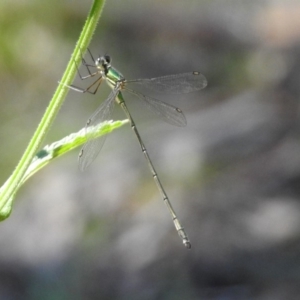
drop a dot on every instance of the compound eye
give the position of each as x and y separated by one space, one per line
98 61
107 58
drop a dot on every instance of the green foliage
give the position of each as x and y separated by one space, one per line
32 160
56 149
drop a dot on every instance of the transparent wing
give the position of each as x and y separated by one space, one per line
174 84
166 112
93 145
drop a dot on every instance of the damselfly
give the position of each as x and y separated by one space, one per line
176 84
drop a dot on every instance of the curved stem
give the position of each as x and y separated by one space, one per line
11 186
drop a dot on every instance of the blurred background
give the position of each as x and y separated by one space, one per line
232 174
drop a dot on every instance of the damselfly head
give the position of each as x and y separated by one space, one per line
103 62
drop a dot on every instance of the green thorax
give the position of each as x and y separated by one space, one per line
114 75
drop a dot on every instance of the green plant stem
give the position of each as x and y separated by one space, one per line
61 147
60 94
